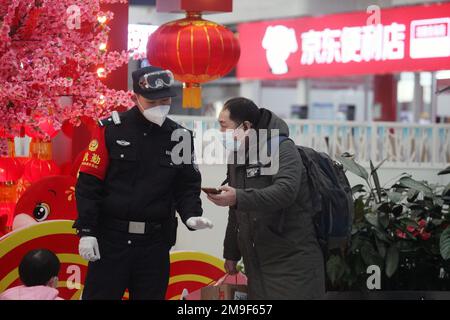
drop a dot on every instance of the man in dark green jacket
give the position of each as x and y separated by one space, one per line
270 217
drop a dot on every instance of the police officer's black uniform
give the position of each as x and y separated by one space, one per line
131 211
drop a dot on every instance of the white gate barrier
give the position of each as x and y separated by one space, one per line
402 145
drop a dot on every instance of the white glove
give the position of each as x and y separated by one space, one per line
198 223
88 248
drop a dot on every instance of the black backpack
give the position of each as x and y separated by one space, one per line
331 198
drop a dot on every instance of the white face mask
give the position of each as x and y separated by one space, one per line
228 140
229 143
156 114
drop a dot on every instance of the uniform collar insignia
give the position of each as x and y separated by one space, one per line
123 143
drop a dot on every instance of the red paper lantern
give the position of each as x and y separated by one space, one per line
196 51
10 169
22 160
36 169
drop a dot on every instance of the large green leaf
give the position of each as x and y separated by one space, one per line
445 171
381 247
392 258
372 218
444 243
353 167
408 222
381 234
396 178
394 197
356 243
383 219
412 195
335 268
416 185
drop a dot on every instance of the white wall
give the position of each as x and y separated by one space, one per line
211 240
337 97
443 105
279 100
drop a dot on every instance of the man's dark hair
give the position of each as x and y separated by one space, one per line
38 267
242 109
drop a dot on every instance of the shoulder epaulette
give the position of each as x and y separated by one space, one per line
113 119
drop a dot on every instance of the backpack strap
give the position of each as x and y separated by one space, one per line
274 139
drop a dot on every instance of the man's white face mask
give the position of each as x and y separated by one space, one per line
228 138
156 114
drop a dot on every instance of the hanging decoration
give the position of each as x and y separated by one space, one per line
194 49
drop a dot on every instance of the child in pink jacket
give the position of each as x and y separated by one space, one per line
38 271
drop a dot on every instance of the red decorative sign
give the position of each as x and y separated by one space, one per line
189 270
413 38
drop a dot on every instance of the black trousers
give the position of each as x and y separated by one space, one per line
139 263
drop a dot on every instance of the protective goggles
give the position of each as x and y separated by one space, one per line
156 80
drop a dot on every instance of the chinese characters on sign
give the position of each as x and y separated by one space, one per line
367 43
412 38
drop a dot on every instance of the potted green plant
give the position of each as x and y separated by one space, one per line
402 229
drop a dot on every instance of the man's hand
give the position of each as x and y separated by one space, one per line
198 223
225 199
231 267
88 248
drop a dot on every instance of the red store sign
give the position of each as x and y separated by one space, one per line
406 39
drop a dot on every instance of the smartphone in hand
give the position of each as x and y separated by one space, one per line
211 190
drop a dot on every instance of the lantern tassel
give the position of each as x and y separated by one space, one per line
192 96
41 149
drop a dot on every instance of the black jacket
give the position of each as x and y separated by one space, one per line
141 182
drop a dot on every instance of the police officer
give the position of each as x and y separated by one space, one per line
130 184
